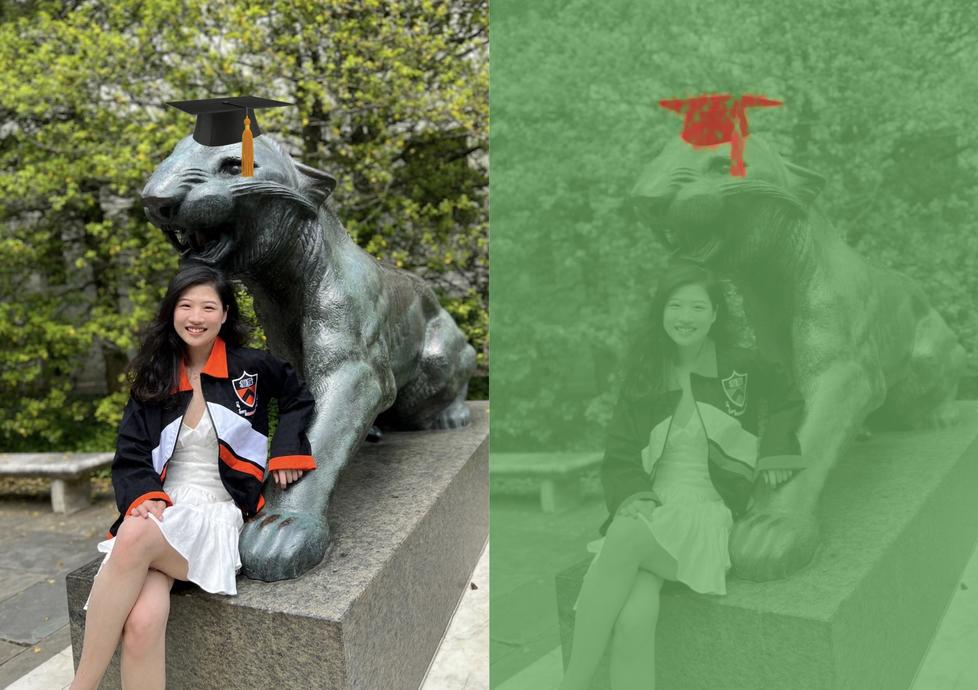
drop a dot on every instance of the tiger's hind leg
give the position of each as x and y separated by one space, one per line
435 398
924 397
456 415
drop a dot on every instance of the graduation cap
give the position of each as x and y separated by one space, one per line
712 119
223 121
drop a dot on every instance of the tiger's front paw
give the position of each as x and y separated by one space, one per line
282 545
772 545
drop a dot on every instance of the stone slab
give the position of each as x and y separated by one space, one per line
33 656
23 515
8 650
14 581
551 464
66 465
35 613
409 518
899 521
46 552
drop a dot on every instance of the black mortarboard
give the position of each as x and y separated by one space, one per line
223 121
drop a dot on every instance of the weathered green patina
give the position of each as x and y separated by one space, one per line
862 342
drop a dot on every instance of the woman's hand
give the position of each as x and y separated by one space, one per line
147 508
774 478
285 477
640 506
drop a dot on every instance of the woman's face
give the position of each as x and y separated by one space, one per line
688 315
198 316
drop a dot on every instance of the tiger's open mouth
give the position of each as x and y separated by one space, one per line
694 243
210 245
693 228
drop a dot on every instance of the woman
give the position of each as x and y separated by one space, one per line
189 466
679 465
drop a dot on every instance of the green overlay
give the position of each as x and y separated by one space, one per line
849 259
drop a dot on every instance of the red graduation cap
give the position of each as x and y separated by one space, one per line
713 119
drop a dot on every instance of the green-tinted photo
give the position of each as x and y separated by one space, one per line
734 326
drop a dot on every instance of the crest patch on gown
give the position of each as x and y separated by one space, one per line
246 388
735 388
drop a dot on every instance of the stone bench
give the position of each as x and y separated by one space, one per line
559 474
69 474
899 522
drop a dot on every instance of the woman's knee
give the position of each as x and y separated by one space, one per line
146 624
136 540
636 621
639 615
625 535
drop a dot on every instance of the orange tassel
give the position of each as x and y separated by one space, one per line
247 150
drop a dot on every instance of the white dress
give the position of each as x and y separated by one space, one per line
693 523
203 524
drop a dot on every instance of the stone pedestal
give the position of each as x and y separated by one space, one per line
409 518
899 520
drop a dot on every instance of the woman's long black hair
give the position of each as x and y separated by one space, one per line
651 347
156 366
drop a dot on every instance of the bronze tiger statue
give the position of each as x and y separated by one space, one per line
371 342
862 343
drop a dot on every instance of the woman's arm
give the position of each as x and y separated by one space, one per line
778 451
134 479
622 475
291 453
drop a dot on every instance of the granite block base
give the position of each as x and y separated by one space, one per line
409 516
899 521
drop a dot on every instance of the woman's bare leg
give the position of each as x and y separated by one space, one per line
139 546
144 635
633 639
628 547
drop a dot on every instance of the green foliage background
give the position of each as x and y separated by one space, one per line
877 99
391 99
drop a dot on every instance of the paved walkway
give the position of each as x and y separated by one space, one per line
40 548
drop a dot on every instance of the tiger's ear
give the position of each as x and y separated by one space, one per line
806 184
317 184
